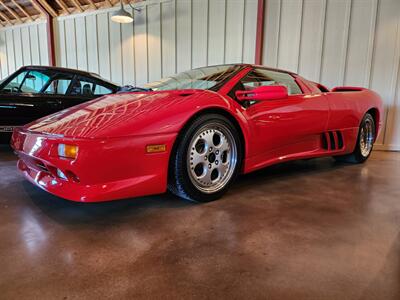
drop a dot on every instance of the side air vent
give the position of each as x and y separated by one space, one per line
332 140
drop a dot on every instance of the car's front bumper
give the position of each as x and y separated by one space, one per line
105 169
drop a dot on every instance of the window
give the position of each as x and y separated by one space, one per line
59 85
87 87
262 77
27 82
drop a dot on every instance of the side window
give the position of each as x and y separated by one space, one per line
13 85
59 85
262 77
27 82
87 87
102 90
34 82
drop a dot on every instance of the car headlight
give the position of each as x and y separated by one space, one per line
67 151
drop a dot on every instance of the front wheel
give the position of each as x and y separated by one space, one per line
365 142
207 159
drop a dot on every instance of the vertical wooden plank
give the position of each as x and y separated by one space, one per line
115 52
91 42
26 45
154 41
216 32
289 34
3 54
234 31
19 61
199 33
63 53
128 55
393 131
385 66
271 33
183 35
103 45
81 43
9 54
141 64
312 38
168 38
362 25
43 48
70 46
250 29
335 42
34 38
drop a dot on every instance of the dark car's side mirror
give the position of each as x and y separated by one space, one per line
269 92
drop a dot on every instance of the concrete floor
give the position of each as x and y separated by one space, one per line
303 230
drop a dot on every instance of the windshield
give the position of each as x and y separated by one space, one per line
201 78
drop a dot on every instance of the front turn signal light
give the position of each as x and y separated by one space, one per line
67 151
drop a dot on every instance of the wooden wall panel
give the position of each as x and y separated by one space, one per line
312 37
234 31
216 32
342 42
167 36
335 42
289 37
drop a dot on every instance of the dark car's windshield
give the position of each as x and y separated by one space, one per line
201 78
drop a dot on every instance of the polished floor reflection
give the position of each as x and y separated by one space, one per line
303 230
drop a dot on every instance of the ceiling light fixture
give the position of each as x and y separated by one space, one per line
123 16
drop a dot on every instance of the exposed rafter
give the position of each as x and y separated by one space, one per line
22 10
19 11
10 11
48 8
64 7
77 5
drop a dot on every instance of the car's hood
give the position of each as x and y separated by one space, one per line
112 115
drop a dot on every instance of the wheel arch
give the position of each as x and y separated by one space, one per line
209 110
375 114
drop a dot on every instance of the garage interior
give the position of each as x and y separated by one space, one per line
309 229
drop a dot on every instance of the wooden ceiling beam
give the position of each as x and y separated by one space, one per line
22 9
17 18
48 8
37 7
63 6
5 18
92 4
109 2
77 5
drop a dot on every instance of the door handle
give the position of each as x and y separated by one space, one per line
54 102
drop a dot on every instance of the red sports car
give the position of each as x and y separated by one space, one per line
193 133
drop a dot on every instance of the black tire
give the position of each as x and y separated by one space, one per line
357 155
180 181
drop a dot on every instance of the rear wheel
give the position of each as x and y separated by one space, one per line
207 159
365 142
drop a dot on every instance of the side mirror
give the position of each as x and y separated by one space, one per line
268 92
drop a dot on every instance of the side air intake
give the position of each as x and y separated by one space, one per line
332 140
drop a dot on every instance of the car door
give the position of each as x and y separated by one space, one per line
22 100
287 126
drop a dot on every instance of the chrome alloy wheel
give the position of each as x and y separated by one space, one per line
367 136
212 157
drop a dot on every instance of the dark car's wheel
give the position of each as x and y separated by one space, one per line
365 142
206 160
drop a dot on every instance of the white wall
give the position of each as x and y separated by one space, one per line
23 45
166 37
340 42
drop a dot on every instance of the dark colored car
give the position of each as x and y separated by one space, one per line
33 92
